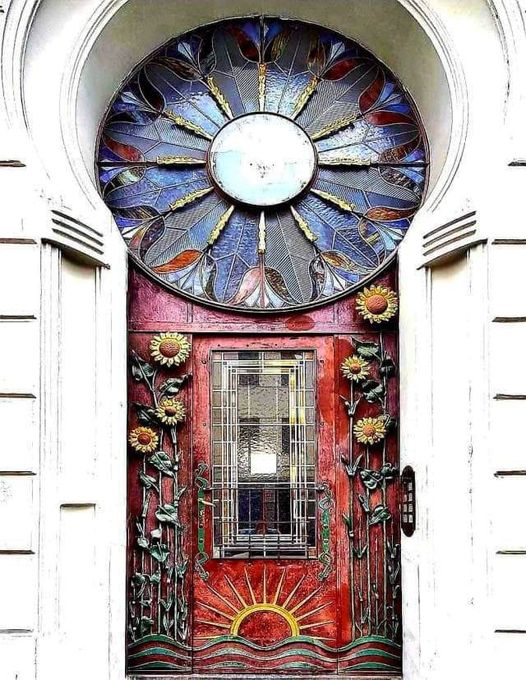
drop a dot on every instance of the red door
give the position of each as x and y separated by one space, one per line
279 509
266 585
263 518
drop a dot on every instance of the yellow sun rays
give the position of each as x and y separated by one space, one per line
262 85
295 613
219 97
186 124
333 127
305 96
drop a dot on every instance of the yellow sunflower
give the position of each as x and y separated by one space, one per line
170 411
355 368
377 303
370 430
143 439
170 349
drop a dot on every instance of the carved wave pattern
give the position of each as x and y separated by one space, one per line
226 654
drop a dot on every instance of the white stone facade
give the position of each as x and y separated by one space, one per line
63 328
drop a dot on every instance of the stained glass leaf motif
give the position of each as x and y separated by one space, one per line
369 178
316 60
250 283
248 41
122 177
371 94
123 151
181 261
277 35
150 94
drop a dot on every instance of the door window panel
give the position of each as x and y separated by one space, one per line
264 454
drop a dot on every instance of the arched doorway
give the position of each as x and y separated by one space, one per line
263 166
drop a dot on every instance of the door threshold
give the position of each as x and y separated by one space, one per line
260 676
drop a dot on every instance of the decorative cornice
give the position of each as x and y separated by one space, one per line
73 234
451 239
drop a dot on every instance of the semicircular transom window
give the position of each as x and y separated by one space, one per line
262 164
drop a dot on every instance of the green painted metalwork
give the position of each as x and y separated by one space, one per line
203 486
325 505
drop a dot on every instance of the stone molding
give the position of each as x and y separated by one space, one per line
451 239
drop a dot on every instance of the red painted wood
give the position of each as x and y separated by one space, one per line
362 593
146 599
257 580
152 308
373 592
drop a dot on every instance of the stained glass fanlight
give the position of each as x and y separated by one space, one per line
262 164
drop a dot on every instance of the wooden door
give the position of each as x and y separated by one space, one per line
232 567
266 588
282 501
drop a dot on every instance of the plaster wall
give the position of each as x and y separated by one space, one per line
63 328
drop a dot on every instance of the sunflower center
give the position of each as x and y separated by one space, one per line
144 438
169 348
376 304
170 411
355 367
262 159
369 430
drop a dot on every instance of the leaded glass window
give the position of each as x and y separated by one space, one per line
264 454
262 164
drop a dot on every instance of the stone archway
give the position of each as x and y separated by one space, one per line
78 111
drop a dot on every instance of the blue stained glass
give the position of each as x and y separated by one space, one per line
235 255
222 240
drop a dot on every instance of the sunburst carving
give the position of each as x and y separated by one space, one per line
303 615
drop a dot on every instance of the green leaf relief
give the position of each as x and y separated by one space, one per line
351 469
372 391
380 514
145 414
364 503
360 552
142 368
172 386
350 407
167 513
143 542
370 478
390 422
145 625
367 350
147 481
347 520
162 462
136 373
159 552
387 367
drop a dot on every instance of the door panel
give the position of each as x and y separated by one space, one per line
368 554
159 514
263 531
265 594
